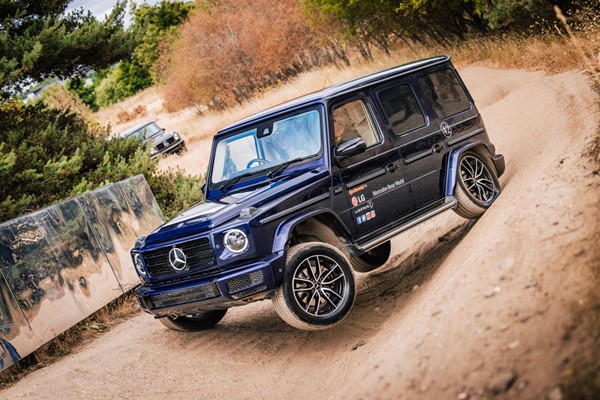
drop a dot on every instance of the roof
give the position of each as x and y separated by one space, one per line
339 89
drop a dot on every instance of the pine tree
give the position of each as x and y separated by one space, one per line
38 41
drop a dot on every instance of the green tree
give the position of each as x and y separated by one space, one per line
86 93
517 15
153 25
38 41
379 22
48 155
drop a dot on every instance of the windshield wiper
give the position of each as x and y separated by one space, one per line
281 167
235 180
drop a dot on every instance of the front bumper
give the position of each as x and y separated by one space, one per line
172 148
225 290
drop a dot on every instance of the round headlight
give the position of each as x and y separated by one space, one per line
139 264
235 241
175 135
153 150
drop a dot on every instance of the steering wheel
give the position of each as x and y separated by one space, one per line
258 161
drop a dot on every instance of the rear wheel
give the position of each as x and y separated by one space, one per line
372 259
477 185
196 322
318 290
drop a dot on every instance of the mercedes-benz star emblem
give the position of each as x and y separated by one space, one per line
177 259
446 129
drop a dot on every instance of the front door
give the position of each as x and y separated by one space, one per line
369 189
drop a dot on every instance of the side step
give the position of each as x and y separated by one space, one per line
449 202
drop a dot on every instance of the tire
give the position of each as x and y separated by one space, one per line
477 185
198 322
318 290
372 259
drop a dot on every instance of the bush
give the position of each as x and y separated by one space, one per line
226 51
48 155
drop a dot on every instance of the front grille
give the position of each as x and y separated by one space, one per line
244 281
183 296
198 254
165 143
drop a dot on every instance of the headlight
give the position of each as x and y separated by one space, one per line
153 151
175 135
139 264
235 241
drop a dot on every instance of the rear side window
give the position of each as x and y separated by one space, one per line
444 91
401 108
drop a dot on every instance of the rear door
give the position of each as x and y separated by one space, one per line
451 105
420 141
368 188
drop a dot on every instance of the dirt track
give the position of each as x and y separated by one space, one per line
494 309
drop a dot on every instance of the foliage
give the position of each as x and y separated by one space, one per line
227 50
59 97
380 22
121 82
153 25
86 93
175 191
47 155
37 41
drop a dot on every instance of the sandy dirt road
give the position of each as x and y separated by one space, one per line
497 308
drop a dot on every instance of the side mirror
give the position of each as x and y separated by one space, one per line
350 147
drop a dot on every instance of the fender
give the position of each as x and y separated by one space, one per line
452 166
284 230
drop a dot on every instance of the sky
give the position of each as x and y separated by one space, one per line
101 8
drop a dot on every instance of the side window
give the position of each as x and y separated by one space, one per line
401 108
445 92
352 120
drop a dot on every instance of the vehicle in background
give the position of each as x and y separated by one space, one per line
162 142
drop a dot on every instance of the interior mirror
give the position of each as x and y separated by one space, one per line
350 147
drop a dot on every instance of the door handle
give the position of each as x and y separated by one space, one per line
392 167
437 148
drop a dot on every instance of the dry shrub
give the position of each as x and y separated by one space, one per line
138 112
225 54
60 98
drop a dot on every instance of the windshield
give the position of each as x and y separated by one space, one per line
146 132
267 146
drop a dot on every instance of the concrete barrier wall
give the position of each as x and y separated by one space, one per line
63 263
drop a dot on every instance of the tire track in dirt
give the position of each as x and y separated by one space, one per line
462 308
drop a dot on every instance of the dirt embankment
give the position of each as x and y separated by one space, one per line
498 308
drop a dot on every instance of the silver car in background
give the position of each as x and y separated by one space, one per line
162 142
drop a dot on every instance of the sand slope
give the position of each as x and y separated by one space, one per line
485 309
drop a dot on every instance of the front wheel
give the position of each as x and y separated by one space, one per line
196 322
318 289
477 185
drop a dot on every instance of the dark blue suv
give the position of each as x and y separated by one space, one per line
300 196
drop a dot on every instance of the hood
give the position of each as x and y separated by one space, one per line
160 137
210 214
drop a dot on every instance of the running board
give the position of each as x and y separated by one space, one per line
449 202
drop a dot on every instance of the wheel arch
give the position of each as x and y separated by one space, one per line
452 163
292 228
